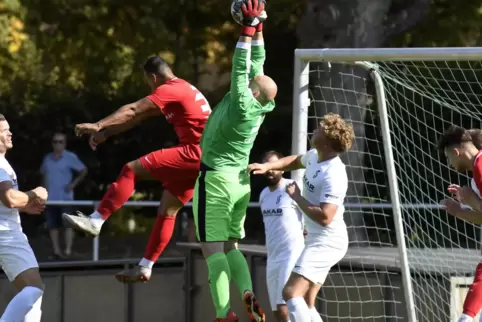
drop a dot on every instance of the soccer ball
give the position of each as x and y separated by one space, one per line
237 13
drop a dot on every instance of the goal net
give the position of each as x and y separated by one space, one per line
421 98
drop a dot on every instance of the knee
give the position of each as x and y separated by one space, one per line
29 278
128 167
135 169
288 292
167 212
132 165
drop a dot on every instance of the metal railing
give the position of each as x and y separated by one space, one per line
95 203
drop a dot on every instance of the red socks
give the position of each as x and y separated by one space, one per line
473 300
118 193
160 236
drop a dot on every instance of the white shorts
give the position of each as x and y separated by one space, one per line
16 255
319 256
277 274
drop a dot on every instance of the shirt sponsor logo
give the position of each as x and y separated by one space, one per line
307 184
277 212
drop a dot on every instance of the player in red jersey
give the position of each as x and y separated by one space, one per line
461 147
177 168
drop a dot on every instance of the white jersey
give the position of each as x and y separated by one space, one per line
9 218
283 223
325 182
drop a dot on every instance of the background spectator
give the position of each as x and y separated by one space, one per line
58 169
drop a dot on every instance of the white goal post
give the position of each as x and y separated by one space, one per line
408 257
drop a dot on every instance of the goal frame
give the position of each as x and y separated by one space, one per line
362 57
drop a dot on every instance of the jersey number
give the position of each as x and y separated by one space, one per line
201 99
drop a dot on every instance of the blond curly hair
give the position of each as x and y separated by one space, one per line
339 133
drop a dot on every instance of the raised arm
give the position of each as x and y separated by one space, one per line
141 109
240 92
239 71
122 119
258 53
120 128
289 163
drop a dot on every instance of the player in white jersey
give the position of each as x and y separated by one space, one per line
325 184
283 225
16 256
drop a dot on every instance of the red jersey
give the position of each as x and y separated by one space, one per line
185 107
476 182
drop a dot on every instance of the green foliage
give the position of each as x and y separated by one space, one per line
63 62
449 24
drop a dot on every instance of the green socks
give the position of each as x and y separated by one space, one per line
240 271
219 277
221 267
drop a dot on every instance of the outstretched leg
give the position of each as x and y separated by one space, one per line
160 236
118 193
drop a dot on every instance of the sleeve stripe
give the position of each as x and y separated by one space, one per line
257 43
243 45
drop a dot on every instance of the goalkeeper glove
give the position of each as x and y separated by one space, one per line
262 18
253 15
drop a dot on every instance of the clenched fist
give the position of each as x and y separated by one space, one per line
293 190
41 194
86 128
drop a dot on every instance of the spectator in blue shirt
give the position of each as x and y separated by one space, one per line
58 169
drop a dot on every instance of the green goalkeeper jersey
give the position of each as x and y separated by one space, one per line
233 125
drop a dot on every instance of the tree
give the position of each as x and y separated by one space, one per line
341 88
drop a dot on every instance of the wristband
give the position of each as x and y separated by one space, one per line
259 27
248 31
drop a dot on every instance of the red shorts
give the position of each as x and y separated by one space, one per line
177 168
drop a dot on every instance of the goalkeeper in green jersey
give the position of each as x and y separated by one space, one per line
222 190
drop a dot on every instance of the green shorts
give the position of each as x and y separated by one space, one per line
219 204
